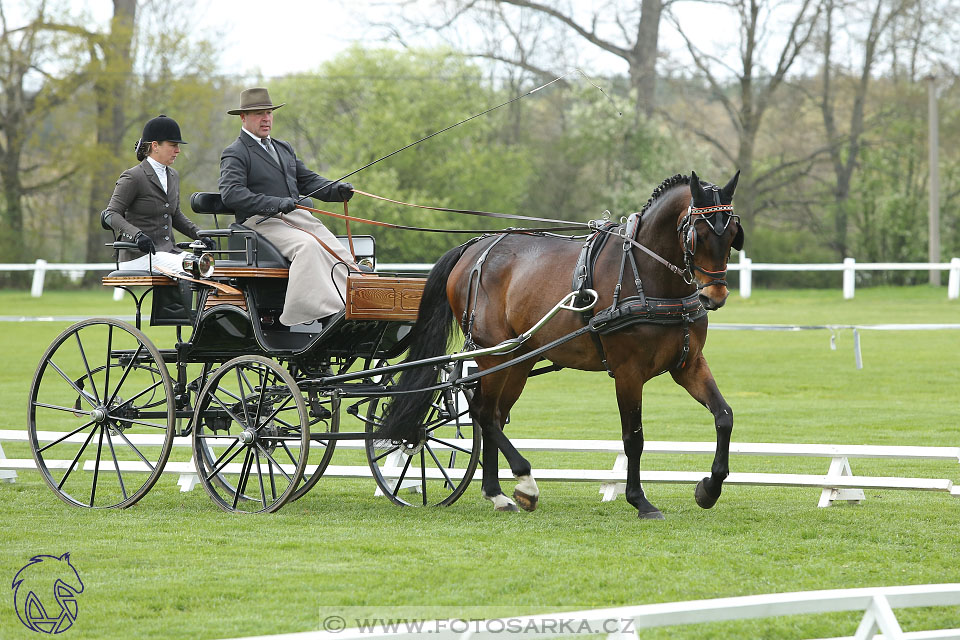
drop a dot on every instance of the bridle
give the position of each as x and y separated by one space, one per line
717 216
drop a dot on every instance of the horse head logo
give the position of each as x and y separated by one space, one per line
45 593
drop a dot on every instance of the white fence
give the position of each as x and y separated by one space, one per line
838 484
746 267
622 623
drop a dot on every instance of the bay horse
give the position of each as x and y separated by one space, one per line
654 322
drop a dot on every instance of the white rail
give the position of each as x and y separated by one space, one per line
876 603
746 267
838 484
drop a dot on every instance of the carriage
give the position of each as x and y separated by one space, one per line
265 405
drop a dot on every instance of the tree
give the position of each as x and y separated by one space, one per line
844 147
28 94
338 124
751 90
517 30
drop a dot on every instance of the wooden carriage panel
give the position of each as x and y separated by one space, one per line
371 297
215 298
137 281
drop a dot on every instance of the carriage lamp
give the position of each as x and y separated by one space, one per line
198 266
366 262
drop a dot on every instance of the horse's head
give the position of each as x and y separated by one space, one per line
708 229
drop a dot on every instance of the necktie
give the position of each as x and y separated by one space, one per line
270 150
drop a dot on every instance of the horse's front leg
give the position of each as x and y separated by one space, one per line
699 383
630 401
490 407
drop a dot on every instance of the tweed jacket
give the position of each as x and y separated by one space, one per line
139 204
252 183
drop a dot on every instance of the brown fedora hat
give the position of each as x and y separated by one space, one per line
254 100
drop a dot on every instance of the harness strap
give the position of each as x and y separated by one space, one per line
473 286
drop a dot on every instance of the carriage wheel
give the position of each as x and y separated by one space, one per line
434 471
251 435
102 414
323 420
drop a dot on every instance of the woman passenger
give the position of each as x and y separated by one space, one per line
146 201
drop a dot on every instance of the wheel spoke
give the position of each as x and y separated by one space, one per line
123 376
446 443
116 464
106 370
263 391
140 422
385 453
96 468
230 413
423 476
57 407
126 402
275 412
135 450
218 467
440 466
275 463
59 440
242 482
263 492
403 474
73 384
75 458
243 403
86 365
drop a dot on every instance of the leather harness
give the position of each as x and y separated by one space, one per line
638 309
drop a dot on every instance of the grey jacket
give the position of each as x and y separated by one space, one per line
139 204
252 183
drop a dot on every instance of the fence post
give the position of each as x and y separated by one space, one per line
849 277
39 273
746 275
953 281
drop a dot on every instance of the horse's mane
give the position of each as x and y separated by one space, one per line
665 186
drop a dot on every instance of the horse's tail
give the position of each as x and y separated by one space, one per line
429 337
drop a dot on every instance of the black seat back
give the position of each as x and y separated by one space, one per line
208 202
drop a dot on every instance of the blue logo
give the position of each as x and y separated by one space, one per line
45 594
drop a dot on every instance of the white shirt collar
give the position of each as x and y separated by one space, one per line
258 139
160 170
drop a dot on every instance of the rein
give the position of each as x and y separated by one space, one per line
569 226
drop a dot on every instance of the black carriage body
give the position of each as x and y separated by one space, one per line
263 409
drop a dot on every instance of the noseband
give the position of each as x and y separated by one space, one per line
718 217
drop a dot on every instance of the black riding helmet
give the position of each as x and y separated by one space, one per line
160 129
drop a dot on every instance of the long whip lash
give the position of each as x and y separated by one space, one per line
483 113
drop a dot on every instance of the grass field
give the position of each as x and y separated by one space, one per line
175 566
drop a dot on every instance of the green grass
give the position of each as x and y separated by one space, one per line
174 566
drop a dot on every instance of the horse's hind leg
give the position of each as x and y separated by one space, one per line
630 401
497 394
699 383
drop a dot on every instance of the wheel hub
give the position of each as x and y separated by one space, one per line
248 436
99 415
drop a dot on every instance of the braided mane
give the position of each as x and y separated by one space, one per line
665 186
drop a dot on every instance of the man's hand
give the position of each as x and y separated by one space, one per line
345 189
145 243
287 205
209 243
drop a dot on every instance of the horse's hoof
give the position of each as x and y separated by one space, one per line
526 502
650 515
507 507
704 500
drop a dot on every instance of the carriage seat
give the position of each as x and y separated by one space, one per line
252 248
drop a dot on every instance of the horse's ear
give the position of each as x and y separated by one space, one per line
695 189
727 191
